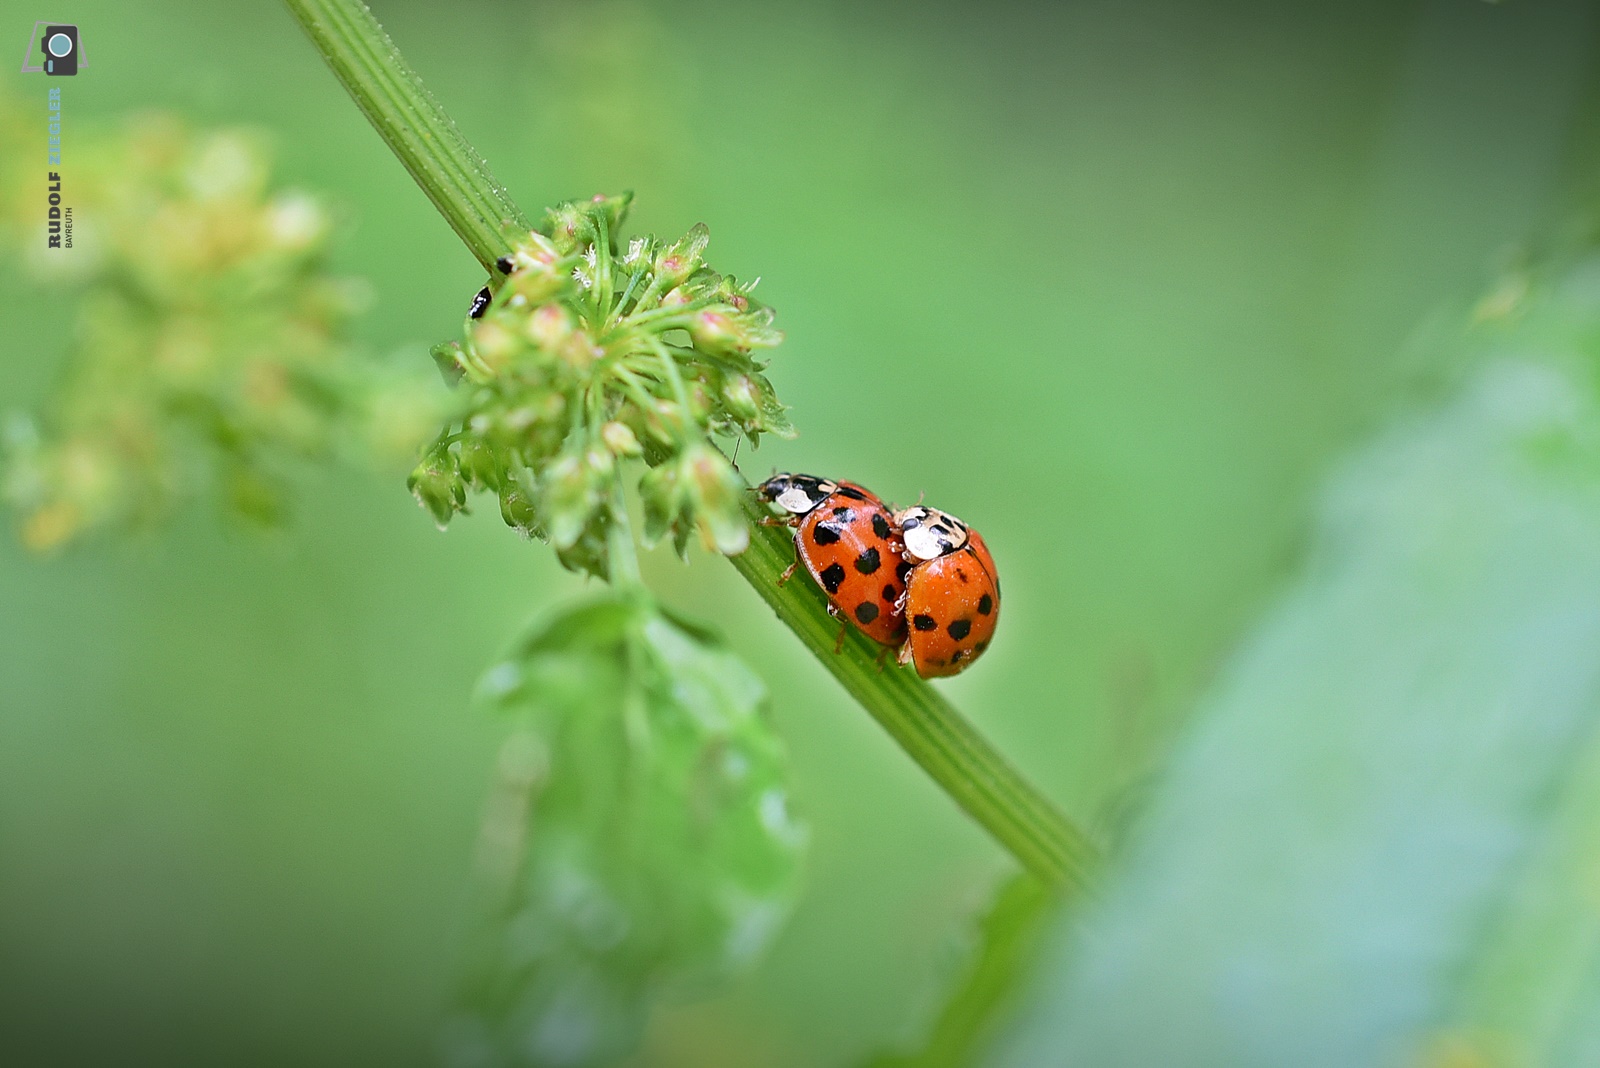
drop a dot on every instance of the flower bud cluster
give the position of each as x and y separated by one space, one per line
595 351
210 341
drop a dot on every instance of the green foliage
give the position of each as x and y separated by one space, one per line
639 838
1377 845
590 355
210 343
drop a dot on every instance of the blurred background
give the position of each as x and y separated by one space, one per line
1114 282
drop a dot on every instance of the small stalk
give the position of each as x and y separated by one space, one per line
394 100
620 552
975 775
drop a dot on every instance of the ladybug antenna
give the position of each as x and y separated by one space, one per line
735 461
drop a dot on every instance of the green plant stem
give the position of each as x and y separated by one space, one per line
624 561
930 729
383 85
927 726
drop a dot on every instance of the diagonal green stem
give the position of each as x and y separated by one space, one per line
927 726
406 115
935 734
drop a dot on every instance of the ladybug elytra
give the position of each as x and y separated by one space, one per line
845 537
952 592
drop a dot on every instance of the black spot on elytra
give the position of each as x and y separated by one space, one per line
843 513
866 612
955 657
985 605
924 622
868 562
890 593
959 629
832 578
960 574
980 647
852 493
880 525
823 534
902 569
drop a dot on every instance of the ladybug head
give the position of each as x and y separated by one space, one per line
929 533
797 493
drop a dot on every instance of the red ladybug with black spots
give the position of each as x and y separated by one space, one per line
846 538
952 592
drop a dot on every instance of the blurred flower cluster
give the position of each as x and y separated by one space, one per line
592 353
207 340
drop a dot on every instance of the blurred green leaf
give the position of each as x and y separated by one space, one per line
1378 844
1006 947
638 840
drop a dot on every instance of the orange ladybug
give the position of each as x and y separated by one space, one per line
952 592
846 538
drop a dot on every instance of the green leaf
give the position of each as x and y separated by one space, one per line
1380 842
638 842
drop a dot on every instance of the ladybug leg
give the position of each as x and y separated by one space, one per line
904 656
775 521
788 573
883 655
844 625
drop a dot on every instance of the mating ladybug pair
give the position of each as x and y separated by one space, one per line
920 579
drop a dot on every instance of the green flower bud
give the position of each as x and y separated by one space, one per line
676 263
516 508
742 397
451 360
494 344
438 488
667 423
549 327
569 497
572 225
580 353
590 554
600 462
717 495
537 286
534 254
619 439
697 489
719 332
662 495
480 465
699 401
